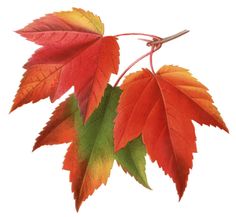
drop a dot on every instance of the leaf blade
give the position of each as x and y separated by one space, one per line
95 149
74 53
132 160
91 153
165 120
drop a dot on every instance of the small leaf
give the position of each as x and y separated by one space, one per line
132 160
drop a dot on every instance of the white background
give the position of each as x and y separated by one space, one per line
33 184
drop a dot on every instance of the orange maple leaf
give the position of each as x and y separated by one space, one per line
161 107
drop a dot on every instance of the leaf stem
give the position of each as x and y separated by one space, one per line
135 33
155 44
169 38
134 63
151 60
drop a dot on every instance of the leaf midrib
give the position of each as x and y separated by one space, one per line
167 121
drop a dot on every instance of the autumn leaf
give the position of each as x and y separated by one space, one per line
132 159
73 53
161 108
91 153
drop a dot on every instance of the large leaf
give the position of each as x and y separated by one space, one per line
94 144
160 107
74 53
91 153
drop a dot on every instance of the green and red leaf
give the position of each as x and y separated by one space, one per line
91 153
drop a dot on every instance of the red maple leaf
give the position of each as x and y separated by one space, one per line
74 53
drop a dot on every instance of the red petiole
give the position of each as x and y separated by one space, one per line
155 43
136 34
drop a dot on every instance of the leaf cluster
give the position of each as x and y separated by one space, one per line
150 112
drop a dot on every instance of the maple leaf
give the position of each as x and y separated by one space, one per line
160 107
132 160
74 53
90 155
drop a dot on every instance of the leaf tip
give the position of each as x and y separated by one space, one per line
77 207
36 146
180 196
85 119
78 203
39 142
223 126
226 129
18 31
13 108
117 147
148 186
180 191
